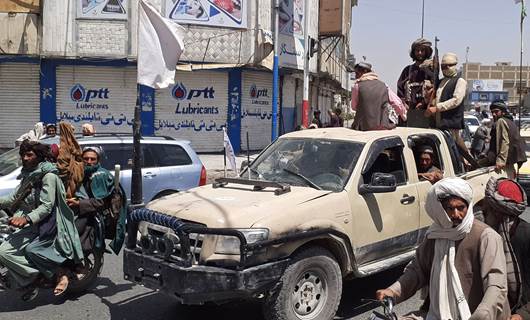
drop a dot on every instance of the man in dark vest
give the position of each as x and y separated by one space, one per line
448 106
414 80
506 145
376 106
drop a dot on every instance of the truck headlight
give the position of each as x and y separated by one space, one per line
230 244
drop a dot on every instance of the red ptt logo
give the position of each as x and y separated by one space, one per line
255 93
180 92
79 94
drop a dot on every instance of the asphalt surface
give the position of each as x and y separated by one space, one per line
114 298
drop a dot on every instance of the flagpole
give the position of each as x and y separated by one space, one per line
305 98
521 64
275 89
136 174
224 153
248 157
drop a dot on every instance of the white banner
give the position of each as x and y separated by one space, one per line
229 151
488 85
103 9
291 51
159 47
222 13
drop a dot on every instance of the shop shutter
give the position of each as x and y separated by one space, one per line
256 110
19 100
102 96
194 109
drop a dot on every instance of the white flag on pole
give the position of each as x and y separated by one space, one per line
159 47
518 1
229 151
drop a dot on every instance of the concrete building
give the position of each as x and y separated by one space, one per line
493 82
75 60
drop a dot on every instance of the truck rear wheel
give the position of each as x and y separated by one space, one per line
310 288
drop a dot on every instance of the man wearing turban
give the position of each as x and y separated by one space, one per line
414 80
448 107
461 261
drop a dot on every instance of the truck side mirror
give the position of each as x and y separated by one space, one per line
244 164
381 183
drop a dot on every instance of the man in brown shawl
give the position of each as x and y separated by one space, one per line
70 160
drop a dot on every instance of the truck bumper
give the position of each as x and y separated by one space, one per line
199 284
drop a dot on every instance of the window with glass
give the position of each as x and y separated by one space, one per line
167 155
318 163
390 161
122 154
9 161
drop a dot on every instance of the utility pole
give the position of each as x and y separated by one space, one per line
305 98
523 14
422 16
275 87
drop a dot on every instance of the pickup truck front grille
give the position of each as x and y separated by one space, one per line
175 239
168 246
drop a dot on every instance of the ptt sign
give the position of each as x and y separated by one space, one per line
79 94
180 92
256 93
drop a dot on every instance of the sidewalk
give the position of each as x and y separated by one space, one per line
214 164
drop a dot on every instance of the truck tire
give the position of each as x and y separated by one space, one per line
310 288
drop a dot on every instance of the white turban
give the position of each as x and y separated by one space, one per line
445 290
449 58
443 226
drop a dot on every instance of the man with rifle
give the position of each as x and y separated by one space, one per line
414 80
448 105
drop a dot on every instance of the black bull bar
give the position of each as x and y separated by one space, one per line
183 229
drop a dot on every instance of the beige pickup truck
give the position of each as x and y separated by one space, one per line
314 208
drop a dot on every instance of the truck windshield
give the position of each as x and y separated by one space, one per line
9 161
320 164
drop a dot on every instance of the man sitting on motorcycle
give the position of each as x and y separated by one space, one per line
46 237
98 195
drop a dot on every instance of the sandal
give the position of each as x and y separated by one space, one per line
80 272
30 294
62 285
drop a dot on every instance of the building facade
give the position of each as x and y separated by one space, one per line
487 83
75 61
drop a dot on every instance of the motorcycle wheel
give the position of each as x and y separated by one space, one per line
94 259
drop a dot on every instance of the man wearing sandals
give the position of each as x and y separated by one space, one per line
97 194
46 238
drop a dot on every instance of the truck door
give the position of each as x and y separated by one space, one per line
416 143
386 224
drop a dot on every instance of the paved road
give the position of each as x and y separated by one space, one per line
117 299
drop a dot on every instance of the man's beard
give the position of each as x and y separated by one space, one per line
456 222
420 59
28 165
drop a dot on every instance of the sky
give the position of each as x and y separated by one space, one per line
383 30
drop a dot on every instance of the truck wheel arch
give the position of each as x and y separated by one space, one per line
338 249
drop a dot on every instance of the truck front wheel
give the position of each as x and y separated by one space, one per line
310 288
